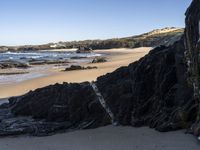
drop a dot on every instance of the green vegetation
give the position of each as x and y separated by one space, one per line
166 36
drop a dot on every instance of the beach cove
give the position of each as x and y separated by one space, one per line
116 58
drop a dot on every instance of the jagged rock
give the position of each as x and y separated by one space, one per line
192 40
150 91
56 107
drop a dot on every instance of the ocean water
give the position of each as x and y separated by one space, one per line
42 55
41 70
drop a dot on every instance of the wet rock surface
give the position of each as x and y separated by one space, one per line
153 91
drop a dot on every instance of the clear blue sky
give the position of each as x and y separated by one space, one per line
43 21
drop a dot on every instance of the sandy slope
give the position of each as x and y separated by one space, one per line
116 58
105 138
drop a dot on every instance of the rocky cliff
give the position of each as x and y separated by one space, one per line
192 41
153 91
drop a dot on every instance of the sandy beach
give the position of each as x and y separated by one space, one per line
116 58
105 138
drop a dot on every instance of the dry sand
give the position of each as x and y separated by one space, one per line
105 138
116 58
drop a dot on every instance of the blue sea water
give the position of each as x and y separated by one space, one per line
39 71
42 55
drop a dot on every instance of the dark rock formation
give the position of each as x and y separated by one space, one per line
84 49
153 91
192 40
13 64
54 108
77 67
99 60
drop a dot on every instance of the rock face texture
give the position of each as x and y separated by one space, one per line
153 91
50 109
192 40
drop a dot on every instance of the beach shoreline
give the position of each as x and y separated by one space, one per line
116 58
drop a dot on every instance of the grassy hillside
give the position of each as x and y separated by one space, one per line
166 36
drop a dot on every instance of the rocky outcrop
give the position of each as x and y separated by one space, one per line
77 67
153 91
84 49
51 109
99 60
13 64
192 40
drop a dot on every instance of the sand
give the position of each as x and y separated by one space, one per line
116 58
105 138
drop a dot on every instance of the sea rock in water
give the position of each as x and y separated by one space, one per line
13 64
153 91
84 49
